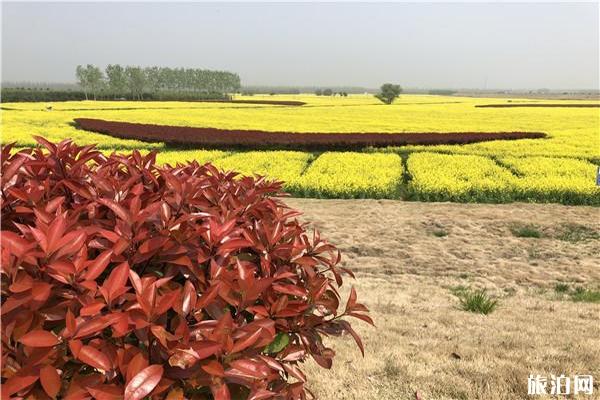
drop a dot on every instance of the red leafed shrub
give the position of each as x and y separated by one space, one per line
125 280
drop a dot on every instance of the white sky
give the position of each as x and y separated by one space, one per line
428 45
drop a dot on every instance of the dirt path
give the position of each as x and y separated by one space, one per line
408 256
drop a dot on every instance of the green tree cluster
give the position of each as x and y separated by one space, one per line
388 93
134 81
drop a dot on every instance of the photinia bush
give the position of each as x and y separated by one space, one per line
122 279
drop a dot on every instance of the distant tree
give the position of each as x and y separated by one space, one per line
90 78
116 80
327 92
234 81
82 79
153 79
156 80
136 81
388 93
318 92
95 79
345 94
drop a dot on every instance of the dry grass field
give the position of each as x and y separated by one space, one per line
411 259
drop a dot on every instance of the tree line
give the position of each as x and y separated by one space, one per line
329 92
133 81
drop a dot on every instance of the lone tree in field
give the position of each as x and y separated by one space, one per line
388 93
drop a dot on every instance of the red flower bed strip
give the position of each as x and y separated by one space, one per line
213 137
271 102
537 105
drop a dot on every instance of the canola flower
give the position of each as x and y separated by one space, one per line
561 180
284 166
173 157
351 175
560 168
465 178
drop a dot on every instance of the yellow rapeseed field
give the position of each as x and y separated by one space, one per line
559 168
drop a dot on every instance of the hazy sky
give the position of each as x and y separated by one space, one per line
429 45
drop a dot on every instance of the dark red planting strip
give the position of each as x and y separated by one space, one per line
271 102
215 138
537 105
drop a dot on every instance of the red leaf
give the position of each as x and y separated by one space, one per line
44 142
50 380
351 300
95 358
214 368
261 394
106 392
92 309
144 382
363 317
183 358
188 298
294 371
205 348
15 244
220 392
56 231
136 281
233 244
92 327
23 283
98 265
137 364
71 324
116 280
247 341
152 244
39 338
75 347
41 291
12 169
351 331
117 209
71 243
290 289
17 383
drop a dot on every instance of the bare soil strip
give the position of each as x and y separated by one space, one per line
216 138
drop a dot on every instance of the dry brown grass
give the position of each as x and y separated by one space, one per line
423 342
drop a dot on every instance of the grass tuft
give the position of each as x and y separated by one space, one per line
585 295
526 231
561 288
440 233
476 301
577 233
390 369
